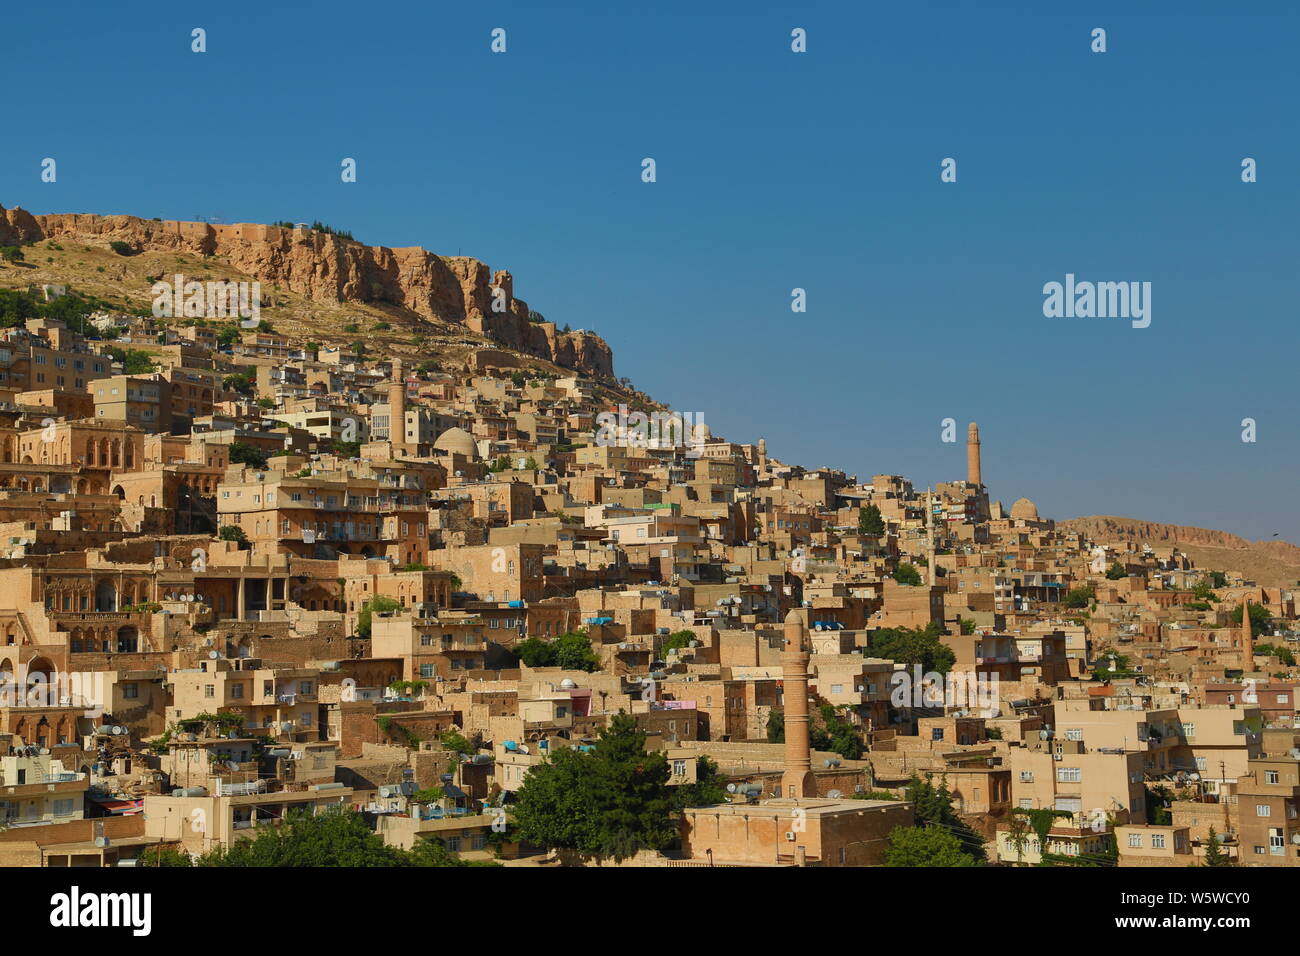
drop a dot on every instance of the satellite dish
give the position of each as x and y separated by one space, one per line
731 788
834 794
44 751
213 655
118 731
232 764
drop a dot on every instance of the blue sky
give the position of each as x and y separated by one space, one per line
775 170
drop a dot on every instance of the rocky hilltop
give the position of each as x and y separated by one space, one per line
1273 562
324 267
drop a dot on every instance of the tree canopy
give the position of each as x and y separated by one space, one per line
907 645
611 801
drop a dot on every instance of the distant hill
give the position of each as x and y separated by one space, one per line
1273 563
321 284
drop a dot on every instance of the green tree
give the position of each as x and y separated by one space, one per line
869 521
907 574
1261 619
242 453
1079 597
332 838
535 652
775 726
1214 855
709 788
678 639
570 651
232 532
933 807
378 603
907 645
925 846
573 653
611 802
1115 571
434 852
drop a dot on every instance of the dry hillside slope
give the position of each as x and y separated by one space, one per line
1273 563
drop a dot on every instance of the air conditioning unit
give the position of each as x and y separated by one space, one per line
789 835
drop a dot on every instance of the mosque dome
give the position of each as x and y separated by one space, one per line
457 441
1024 508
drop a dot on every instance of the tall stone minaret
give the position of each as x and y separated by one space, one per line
973 474
929 522
762 457
397 409
797 781
1247 636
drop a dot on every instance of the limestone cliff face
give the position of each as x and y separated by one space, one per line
326 268
1112 528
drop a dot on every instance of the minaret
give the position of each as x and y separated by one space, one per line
973 474
797 781
397 409
762 456
1247 636
929 522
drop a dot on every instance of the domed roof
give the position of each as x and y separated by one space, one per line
567 684
459 442
1024 508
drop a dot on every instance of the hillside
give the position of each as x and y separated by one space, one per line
1273 563
316 282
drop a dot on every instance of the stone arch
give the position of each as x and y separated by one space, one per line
105 596
128 639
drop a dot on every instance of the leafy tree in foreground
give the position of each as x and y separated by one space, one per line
613 801
925 846
913 646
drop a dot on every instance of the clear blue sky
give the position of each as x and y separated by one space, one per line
775 170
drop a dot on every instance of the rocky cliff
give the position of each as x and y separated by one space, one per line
326 268
1273 562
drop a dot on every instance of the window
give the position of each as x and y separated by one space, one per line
62 808
1271 776
1263 810
1135 839
1026 776
837 688
209 690
236 691
1069 774
426 670
453 844
679 768
130 691
1074 733
1157 841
